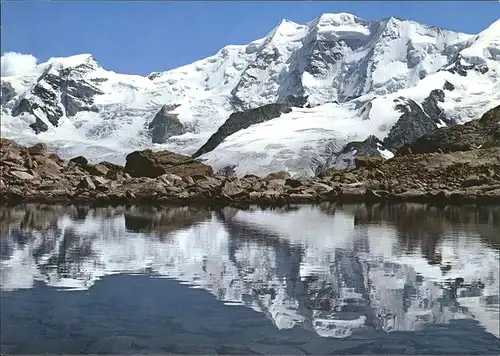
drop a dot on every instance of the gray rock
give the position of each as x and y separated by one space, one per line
165 125
22 175
412 124
484 133
242 120
7 93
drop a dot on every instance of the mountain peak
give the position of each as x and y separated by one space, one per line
75 61
341 18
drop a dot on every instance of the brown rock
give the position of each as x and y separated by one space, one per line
154 164
115 175
276 184
367 161
474 180
39 149
330 172
231 188
294 183
87 184
97 170
22 175
302 197
321 187
112 166
13 156
254 196
100 180
278 175
80 160
350 177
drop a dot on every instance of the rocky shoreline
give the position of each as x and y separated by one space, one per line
34 174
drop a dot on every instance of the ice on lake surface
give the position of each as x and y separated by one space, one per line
328 279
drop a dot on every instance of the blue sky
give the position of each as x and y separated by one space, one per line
142 37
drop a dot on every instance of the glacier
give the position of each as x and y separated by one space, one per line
352 74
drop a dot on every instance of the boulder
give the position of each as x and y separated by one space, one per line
367 162
151 164
80 160
22 175
39 149
277 175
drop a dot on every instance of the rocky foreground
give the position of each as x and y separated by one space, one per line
456 164
34 174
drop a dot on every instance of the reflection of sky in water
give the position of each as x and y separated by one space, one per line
326 272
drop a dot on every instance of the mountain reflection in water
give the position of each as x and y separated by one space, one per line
332 270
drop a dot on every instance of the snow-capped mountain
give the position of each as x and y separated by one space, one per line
343 77
304 268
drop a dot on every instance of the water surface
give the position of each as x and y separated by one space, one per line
404 279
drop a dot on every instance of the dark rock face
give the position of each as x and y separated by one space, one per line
457 66
297 101
368 147
48 102
431 108
78 96
165 125
80 160
242 120
7 93
154 164
57 94
412 124
483 133
39 126
448 86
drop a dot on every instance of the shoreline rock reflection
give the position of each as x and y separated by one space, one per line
332 269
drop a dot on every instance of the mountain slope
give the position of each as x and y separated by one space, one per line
345 78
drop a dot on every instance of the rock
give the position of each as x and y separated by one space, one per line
165 125
97 170
301 197
254 195
367 162
154 164
115 175
277 175
231 188
320 187
482 133
80 160
100 180
2 184
413 123
22 175
353 192
329 172
294 183
409 195
39 149
171 177
241 120
350 177
372 196
86 184
473 180
13 156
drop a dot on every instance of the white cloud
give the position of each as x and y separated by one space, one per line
14 63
